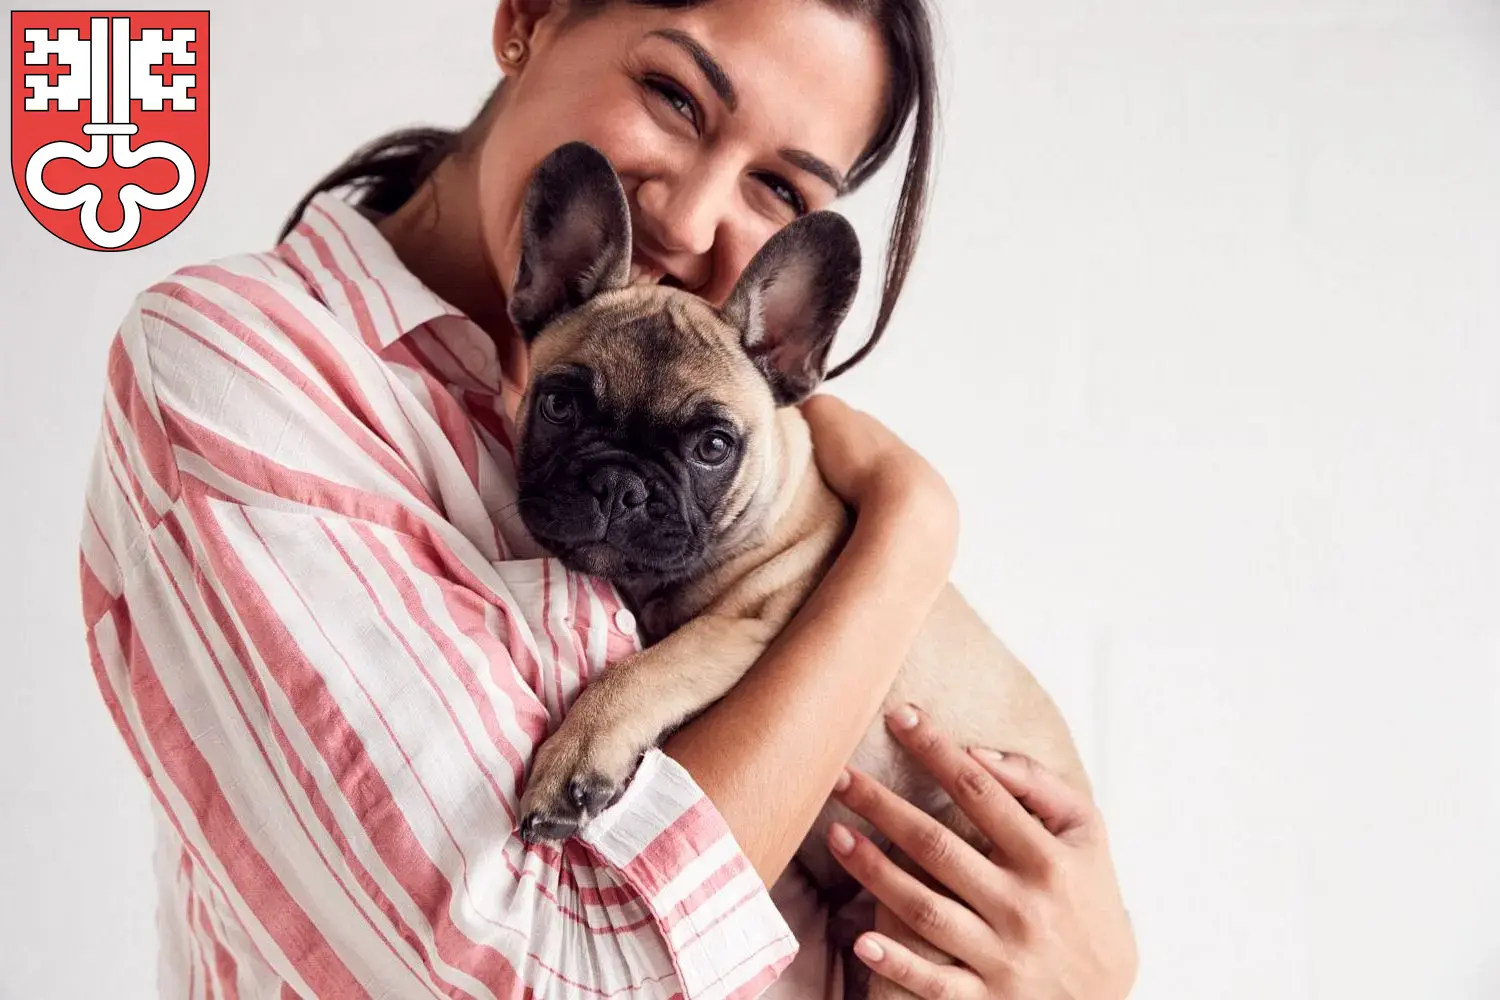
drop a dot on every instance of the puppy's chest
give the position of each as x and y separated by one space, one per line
664 611
766 585
726 591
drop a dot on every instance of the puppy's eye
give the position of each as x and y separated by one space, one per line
558 407
713 448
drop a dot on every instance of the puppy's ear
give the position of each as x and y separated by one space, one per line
791 299
575 237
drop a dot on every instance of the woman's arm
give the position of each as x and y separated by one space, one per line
768 753
333 691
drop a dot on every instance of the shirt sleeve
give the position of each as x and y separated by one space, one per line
334 699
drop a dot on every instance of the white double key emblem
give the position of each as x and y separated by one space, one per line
109 130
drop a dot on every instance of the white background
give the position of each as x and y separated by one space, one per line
1205 334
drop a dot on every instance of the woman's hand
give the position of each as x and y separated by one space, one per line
861 459
879 475
1041 918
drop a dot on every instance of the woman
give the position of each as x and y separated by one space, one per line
332 648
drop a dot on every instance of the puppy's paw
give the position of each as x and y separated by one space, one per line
552 817
572 780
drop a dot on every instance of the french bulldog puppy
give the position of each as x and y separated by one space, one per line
660 447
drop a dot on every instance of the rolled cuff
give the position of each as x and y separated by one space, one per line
725 936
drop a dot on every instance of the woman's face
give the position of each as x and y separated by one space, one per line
725 122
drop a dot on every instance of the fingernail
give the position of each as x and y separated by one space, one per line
904 717
842 784
840 839
867 949
989 758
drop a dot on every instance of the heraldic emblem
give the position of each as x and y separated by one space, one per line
109 121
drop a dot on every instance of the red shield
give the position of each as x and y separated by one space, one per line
109 121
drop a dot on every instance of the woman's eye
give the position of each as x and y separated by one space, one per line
678 99
784 190
557 407
713 448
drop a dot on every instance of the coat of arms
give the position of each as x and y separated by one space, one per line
109 121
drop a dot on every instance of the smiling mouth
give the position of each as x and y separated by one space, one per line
648 272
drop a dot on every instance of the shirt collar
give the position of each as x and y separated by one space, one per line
354 271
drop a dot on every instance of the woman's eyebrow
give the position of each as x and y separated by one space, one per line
707 64
724 87
818 168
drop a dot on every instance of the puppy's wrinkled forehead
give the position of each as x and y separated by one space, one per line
657 353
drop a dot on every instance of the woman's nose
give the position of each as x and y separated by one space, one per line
679 220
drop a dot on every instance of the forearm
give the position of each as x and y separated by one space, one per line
768 753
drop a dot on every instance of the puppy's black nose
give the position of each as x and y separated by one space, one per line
618 489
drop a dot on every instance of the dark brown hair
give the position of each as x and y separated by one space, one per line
387 171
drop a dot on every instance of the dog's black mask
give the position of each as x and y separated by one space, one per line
620 491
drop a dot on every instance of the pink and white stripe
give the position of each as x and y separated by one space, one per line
331 648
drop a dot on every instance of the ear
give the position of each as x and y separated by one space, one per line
516 19
575 237
791 299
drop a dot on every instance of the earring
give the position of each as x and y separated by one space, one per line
513 51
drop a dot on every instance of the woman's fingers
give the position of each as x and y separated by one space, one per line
1063 809
928 980
948 925
933 847
1022 840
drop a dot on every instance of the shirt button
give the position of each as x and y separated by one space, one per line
625 621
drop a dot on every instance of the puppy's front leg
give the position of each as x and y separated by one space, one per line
582 768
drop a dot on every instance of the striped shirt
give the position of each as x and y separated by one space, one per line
331 648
